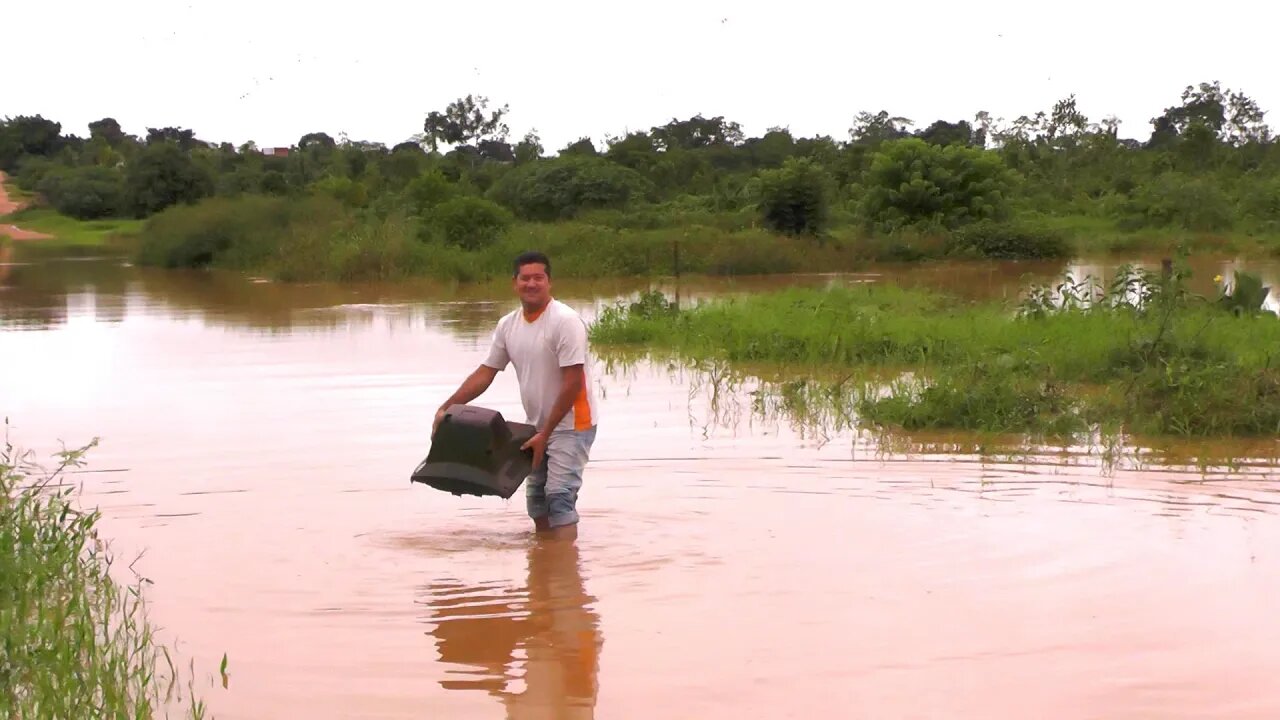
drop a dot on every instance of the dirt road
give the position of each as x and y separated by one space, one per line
8 206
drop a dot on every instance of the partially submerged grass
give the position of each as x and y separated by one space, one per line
76 642
1142 356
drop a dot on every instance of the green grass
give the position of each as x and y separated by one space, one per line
1171 364
68 232
1092 235
75 641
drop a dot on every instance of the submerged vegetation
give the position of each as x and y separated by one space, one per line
692 195
75 640
1141 355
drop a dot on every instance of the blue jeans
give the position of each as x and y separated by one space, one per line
552 490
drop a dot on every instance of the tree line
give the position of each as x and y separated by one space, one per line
1209 163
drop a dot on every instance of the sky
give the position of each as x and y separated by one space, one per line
270 72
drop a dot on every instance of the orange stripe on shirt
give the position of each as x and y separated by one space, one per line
582 408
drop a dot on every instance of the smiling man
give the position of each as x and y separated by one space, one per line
546 341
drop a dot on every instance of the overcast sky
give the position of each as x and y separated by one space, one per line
270 72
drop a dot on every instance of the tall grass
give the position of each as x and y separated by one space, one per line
320 238
75 642
1143 354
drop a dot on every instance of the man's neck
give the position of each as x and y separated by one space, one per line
531 312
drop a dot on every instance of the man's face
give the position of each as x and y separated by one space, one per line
532 284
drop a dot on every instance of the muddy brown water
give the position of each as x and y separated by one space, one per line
256 441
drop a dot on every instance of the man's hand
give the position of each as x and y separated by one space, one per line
439 419
539 444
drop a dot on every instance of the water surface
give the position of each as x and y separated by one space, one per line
256 441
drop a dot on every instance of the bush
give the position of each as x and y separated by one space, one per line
378 249
427 191
1006 241
911 182
85 193
795 199
1260 203
32 170
235 232
563 187
471 223
351 193
1176 200
163 175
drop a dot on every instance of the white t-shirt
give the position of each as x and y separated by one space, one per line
538 348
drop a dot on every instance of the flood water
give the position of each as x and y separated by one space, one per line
256 441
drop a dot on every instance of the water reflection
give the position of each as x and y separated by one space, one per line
34 294
536 649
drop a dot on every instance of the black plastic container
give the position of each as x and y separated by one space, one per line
476 452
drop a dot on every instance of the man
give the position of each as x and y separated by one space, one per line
546 341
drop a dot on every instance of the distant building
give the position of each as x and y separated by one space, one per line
278 151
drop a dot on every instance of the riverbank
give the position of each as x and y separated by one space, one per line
1142 356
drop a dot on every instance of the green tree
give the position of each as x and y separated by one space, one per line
471 223
1230 116
942 132
795 199
182 137
911 182
581 146
529 149
696 132
881 127
28 135
86 193
464 122
316 140
109 130
427 191
771 150
560 188
163 175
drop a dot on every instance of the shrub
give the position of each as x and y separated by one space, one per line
1176 200
795 199
239 232
563 187
1260 203
85 193
471 223
1010 241
351 193
911 182
162 175
427 191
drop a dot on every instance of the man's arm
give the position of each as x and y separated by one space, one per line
473 387
480 379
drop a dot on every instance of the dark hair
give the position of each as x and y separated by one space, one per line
528 258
